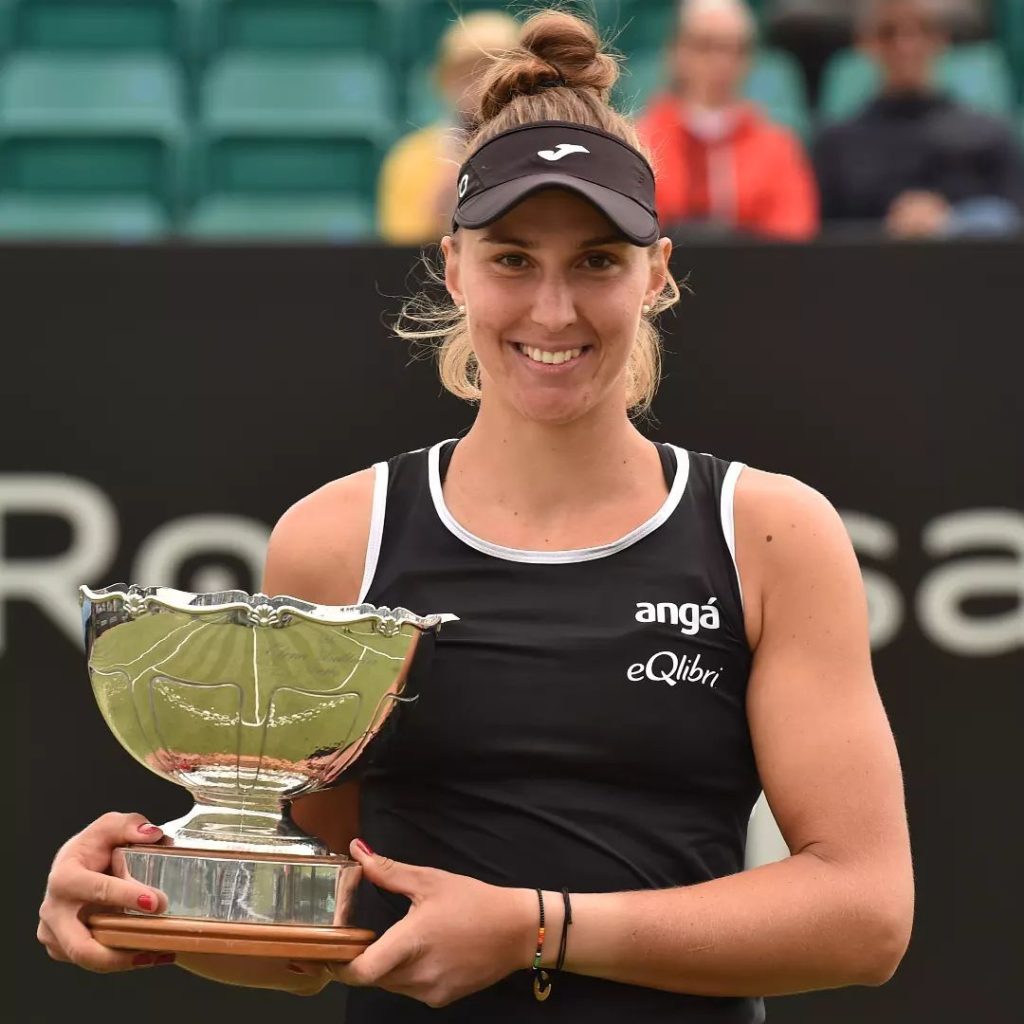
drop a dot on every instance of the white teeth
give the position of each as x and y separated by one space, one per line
539 355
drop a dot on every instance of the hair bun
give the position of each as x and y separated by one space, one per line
555 49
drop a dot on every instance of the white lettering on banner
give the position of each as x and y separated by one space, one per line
51 583
166 549
875 537
943 592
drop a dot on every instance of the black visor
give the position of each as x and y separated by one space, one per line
559 154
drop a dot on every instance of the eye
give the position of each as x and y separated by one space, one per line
598 261
512 260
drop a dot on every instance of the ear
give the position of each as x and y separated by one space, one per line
451 269
661 252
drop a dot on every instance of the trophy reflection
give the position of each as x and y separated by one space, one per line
247 702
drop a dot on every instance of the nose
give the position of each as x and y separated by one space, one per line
554 306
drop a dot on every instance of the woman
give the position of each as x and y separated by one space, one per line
648 637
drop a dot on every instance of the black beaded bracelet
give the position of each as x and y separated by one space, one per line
541 978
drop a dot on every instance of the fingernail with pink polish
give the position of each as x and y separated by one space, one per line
146 902
143 960
364 846
165 958
149 830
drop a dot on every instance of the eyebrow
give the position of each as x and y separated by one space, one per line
522 244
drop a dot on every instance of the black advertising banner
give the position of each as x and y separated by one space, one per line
160 408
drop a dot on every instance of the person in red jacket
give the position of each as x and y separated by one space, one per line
720 162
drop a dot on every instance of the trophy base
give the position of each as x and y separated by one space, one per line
180 935
245 887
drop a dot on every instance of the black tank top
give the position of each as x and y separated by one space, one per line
583 724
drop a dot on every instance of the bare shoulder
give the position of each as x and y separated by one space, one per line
318 547
786 531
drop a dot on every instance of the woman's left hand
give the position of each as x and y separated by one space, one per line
459 936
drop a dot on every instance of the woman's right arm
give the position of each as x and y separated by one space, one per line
316 553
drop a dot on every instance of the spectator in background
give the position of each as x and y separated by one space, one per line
416 189
719 161
914 160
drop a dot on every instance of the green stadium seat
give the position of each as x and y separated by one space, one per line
300 95
423 103
775 84
291 145
974 73
311 26
98 25
643 75
979 74
91 127
323 218
637 26
101 218
1009 19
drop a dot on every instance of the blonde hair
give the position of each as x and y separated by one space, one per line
558 72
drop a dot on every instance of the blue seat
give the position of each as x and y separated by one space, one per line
290 146
76 128
113 26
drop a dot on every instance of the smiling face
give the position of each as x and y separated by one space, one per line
553 297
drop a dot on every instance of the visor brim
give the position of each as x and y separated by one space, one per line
635 222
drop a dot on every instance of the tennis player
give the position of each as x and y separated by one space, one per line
648 636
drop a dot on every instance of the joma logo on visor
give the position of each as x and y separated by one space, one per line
562 149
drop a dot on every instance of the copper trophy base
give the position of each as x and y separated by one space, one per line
228 938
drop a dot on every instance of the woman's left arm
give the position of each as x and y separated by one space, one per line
836 912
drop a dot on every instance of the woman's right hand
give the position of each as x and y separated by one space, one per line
80 883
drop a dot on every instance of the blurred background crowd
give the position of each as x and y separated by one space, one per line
342 120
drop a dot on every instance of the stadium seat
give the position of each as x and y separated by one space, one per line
323 218
302 95
304 133
98 25
423 103
312 26
100 218
1009 18
637 26
80 128
775 84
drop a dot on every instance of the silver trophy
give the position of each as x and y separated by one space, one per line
248 702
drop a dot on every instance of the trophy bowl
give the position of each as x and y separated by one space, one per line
248 702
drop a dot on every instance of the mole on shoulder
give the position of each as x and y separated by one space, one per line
769 538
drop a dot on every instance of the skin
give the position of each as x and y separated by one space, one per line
711 57
552 461
904 40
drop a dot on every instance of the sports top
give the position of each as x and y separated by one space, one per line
583 724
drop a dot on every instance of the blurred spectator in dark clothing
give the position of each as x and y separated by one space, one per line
722 166
914 160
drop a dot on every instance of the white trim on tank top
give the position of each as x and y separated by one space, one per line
732 474
380 495
675 495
